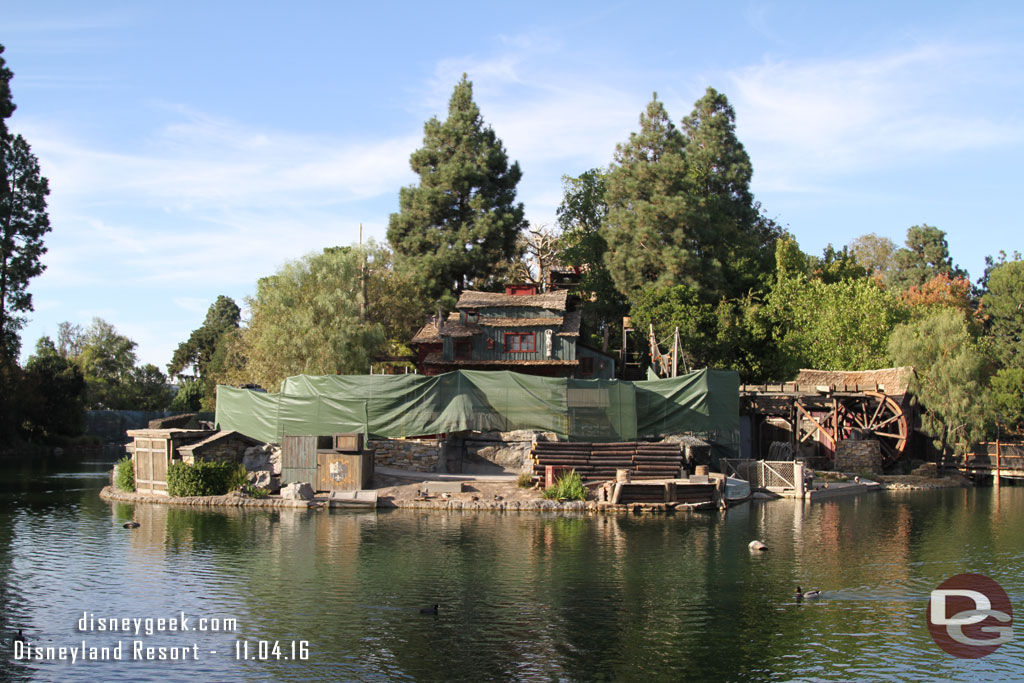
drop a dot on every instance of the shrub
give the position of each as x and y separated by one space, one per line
525 480
255 491
567 487
204 478
124 474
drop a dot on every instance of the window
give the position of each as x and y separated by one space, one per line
463 349
520 342
471 315
586 366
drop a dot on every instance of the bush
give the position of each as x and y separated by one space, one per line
124 474
204 478
567 487
525 480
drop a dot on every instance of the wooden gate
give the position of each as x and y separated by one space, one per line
298 458
151 456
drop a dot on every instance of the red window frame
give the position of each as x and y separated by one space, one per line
520 342
463 349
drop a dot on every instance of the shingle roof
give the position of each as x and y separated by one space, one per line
571 324
552 301
486 321
217 437
893 381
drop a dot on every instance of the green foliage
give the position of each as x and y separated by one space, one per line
306 319
524 480
836 266
461 220
23 223
124 474
876 254
189 398
52 395
925 256
1002 302
204 478
108 361
680 210
197 355
1006 400
567 487
840 326
949 378
581 218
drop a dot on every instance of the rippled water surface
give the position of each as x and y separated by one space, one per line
523 596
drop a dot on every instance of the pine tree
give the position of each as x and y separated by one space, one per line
647 221
680 206
23 222
462 218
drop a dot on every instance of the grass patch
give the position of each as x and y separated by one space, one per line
525 480
567 487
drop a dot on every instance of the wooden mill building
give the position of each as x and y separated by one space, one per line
520 330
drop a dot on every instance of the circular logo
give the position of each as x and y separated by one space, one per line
969 616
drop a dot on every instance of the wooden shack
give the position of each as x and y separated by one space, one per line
329 463
226 446
153 450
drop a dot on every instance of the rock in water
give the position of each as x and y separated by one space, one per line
757 545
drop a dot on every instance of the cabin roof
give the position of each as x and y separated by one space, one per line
219 436
552 301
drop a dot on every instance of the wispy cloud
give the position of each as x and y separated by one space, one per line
805 119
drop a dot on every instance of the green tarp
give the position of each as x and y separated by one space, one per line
705 403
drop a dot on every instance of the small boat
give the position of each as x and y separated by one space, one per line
364 500
736 490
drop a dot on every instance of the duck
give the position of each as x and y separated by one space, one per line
429 610
757 545
809 594
20 638
131 525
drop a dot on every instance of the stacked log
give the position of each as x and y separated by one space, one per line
601 460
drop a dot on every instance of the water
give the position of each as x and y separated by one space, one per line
523 596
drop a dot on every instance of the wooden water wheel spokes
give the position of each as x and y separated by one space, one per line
876 416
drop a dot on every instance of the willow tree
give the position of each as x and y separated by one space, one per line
306 319
462 217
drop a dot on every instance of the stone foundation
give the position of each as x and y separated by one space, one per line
418 455
859 456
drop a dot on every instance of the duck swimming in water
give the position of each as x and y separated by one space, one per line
429 610
800 595
131 525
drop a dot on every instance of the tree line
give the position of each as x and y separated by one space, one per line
669 233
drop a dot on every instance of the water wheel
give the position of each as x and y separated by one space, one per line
873 415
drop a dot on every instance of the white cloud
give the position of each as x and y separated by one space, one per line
802 120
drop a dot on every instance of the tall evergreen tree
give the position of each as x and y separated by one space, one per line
925 256
23 222
647 225
680 206
462 218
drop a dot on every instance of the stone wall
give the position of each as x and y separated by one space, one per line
229 449
419 455
859 456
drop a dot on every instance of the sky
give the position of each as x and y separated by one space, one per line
194 147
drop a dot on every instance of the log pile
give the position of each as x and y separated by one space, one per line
601 460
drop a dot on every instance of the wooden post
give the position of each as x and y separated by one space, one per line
798 479
675 354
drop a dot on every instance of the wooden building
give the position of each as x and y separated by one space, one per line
520 330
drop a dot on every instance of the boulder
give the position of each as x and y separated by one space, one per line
259 479
297 491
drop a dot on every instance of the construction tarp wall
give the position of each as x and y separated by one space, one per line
393 406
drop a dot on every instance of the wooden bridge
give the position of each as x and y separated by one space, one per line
997 459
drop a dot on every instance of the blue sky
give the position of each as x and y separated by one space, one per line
194 147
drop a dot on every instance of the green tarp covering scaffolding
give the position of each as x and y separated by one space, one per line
704 403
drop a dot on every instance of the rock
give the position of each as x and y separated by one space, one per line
275 459
297 491
256 459
260 479
757 545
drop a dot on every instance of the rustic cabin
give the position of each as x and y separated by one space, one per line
519 330
226 446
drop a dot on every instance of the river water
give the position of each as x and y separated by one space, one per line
336 595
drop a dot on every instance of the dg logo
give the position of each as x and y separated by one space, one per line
970 616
